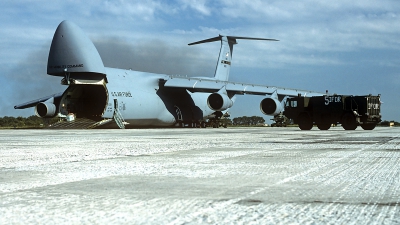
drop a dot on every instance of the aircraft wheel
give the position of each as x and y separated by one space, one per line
324 126
305 122
368 126
349 121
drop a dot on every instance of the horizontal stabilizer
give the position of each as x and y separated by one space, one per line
231 39
250 38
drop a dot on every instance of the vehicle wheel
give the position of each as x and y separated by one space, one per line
324 126
305 122
349 122
368 126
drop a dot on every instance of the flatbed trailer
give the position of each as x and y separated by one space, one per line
323 111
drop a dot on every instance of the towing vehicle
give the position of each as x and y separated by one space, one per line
327 110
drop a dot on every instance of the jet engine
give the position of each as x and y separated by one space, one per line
271 106
45 110
219 101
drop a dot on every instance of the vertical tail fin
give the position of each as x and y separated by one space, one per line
225 54
224 60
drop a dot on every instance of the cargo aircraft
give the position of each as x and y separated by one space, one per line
113 97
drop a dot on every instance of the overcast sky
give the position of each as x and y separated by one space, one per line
346 47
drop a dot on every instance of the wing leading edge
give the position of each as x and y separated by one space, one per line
35 102
210 85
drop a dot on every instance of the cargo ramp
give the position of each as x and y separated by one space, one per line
79 123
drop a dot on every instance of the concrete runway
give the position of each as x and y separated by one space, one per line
200 176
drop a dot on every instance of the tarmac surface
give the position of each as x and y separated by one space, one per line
200 176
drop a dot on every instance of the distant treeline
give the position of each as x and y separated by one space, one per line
388 123
248 121
23 122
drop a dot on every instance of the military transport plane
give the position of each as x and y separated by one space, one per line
125 98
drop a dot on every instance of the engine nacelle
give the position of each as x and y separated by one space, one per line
219 102
45 110
271 106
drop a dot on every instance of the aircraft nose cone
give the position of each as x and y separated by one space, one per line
72 51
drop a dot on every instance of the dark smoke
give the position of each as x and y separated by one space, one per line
154 56
27 81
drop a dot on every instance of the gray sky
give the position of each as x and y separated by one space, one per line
346 47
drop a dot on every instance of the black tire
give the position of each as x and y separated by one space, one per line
305 122
368 126
324 126
349 121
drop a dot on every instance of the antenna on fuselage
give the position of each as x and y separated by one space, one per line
225 54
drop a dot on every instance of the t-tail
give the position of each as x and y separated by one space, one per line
225 53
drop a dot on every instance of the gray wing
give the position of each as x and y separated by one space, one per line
35 102
212 85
